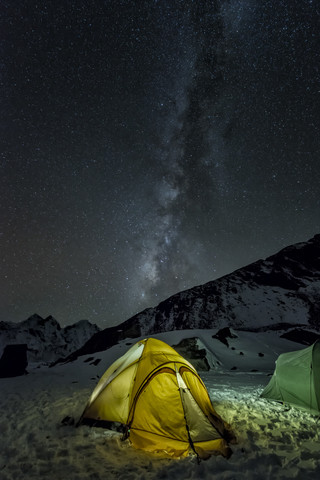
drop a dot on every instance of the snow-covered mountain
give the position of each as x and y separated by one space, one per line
45 339
282 289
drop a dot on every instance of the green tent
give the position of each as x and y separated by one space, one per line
296 379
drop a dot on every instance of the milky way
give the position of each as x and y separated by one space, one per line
151 146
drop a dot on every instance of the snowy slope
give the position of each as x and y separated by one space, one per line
46 340
39 441
284 288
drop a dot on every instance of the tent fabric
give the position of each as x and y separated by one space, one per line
161 400
296 379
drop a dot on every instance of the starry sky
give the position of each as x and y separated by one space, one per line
149 146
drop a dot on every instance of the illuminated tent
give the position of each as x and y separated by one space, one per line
296 379
162 402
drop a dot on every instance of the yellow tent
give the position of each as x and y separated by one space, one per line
162 402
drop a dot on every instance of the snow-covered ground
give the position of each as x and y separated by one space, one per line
274 441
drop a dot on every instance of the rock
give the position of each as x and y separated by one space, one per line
13 362
223 334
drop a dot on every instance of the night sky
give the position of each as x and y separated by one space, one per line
150 146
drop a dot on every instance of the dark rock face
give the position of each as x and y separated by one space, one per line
223 334
302 336
189 350
13 362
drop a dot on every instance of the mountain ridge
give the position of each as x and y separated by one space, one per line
282 289
46 339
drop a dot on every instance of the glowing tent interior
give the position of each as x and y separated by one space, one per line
162 402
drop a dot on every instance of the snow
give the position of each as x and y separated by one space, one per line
274 441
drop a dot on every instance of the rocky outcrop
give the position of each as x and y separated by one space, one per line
13 362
